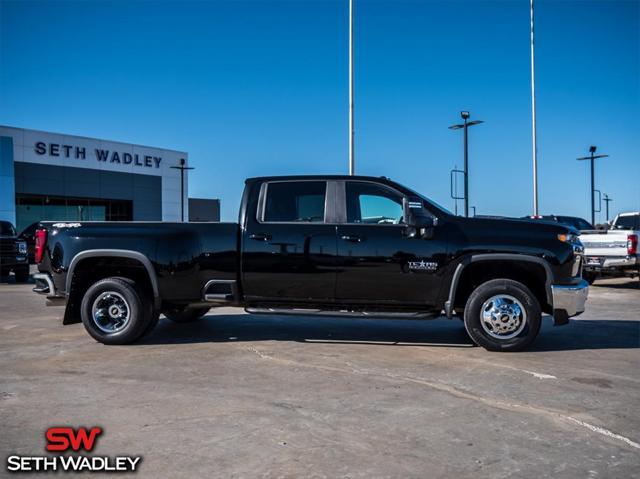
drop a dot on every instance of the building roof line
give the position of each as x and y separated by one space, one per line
95 139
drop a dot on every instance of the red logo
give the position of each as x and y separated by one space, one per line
65 438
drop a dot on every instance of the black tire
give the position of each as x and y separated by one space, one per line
155 317
589 276
123 294
525 329
155 314
187 315
21 273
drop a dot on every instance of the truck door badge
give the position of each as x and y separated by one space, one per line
423 265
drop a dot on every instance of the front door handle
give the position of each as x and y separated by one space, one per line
352 238
260 237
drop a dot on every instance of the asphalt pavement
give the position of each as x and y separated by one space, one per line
238 395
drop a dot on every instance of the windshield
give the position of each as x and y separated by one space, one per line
630 222
577 223
437 205
429 201
7 229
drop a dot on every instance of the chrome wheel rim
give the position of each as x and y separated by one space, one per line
110 312
503 317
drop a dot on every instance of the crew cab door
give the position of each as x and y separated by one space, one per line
289 243
379 262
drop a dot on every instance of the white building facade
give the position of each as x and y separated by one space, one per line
52 176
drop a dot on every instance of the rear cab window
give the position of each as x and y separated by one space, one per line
577 223
627 222
294 202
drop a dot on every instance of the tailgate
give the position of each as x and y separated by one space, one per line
597 246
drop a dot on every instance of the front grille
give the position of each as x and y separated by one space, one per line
8 248
576 268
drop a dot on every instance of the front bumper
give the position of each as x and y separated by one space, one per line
10 262
569 300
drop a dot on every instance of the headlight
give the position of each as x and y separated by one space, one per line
573 240
22 247
568 238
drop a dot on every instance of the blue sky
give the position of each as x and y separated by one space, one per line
256 88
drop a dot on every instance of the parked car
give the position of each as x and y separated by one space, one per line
29 235
574 221
13 253
339 245
613 252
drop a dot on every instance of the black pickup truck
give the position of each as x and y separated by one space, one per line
13 253
339 245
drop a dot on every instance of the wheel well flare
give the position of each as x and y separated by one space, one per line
89 270
531 274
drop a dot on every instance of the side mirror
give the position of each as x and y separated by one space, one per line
420 224
423 222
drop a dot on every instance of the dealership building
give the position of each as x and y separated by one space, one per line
52 176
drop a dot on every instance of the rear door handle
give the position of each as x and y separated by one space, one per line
260 237
352 238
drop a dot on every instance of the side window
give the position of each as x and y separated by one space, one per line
368 203
301 201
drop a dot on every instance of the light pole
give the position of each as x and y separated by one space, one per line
352 159
182 168
592 157
606 203
465 116
534 139
454 187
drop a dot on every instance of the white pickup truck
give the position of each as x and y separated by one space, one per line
613 252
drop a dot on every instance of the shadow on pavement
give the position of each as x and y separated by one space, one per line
11 279
585 334
631 284
588 334
259 327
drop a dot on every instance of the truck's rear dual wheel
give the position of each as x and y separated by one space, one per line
185 315
115 311
502 315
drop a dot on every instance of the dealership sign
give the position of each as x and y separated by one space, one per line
101 155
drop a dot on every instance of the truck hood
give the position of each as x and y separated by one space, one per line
518 226
510 235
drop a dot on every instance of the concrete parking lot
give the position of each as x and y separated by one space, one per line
255 396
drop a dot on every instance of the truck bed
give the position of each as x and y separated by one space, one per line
183 255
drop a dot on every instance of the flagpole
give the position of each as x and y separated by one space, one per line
352 165
533 118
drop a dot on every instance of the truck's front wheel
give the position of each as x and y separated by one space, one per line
502 315
115 311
